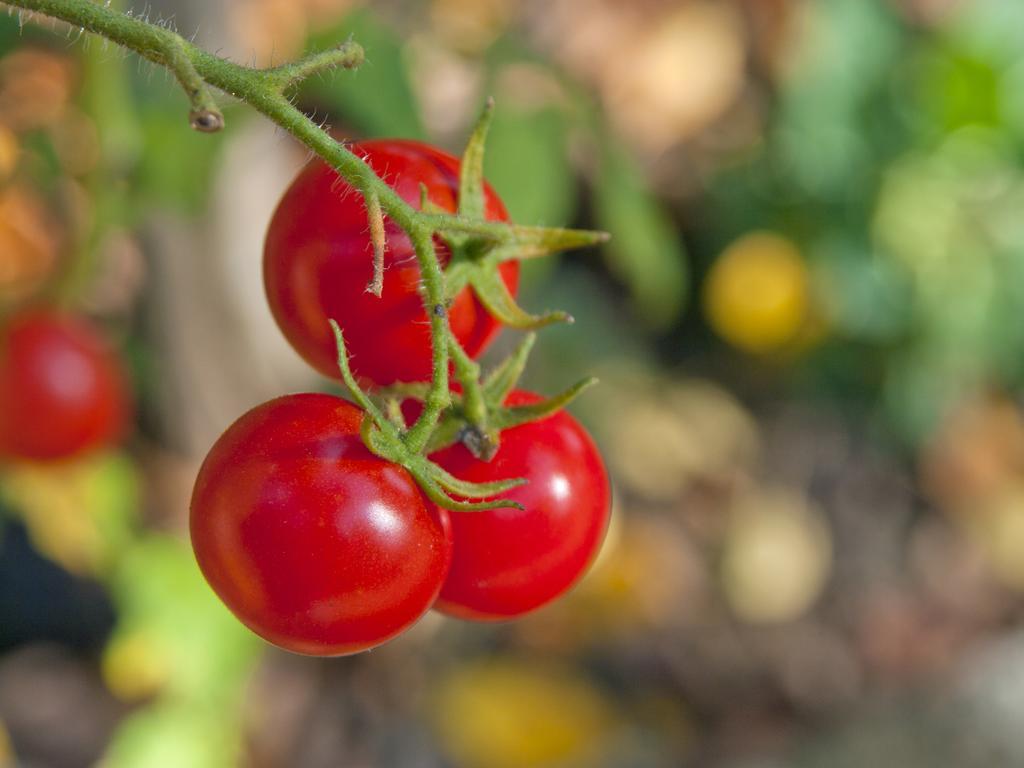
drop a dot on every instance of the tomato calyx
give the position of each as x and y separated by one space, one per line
476 256
384 437
477 414
479 428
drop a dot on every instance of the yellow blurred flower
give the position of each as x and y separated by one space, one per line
136 665
506 713
777 556
757 294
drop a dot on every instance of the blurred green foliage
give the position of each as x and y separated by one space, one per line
645 251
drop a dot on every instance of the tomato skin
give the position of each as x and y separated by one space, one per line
318 260
313 542
63 391
508 562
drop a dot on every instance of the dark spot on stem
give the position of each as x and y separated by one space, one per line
206 120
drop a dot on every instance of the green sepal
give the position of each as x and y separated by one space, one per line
450 428
474 490
476 256
435 482
457 277
361 398
521 414
476 259
384 438
515 242
437 494
482 436
426 204
533 242
499 302
484 440
471 173
503 379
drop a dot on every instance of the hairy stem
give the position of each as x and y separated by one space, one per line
467 371
438 397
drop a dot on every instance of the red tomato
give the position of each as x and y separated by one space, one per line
313 542
507 562
62 389
318 259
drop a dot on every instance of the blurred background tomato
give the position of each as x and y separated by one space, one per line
807 326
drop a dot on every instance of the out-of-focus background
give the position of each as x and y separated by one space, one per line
808 329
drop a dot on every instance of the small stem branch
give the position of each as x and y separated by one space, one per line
348 55
467 371
438 397
205 115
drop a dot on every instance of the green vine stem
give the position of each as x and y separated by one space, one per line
266 90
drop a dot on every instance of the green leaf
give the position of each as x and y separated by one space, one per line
645 250
494 294
377 98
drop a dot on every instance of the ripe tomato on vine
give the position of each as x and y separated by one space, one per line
317 263
508 562
316 544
